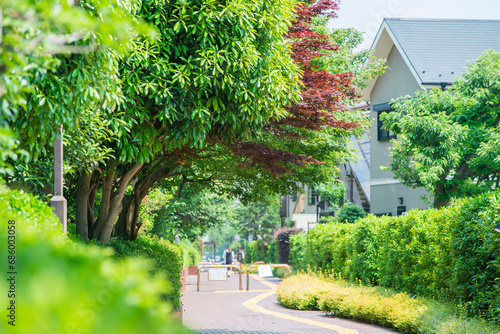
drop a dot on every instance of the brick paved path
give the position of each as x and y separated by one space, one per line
219 307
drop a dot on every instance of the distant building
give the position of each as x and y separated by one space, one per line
303 208
422 54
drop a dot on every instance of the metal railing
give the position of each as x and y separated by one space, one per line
272 265
200 267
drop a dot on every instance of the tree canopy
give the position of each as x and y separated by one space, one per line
448 141
235 95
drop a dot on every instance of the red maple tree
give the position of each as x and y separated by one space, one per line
322 94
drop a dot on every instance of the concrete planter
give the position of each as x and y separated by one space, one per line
177 314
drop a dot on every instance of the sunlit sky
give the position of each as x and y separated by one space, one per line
367 15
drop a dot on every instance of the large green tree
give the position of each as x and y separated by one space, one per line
37 39
188 213
218 70
448 141
258 220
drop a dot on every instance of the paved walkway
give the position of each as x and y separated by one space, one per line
219 307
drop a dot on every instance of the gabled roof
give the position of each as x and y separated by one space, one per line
436 50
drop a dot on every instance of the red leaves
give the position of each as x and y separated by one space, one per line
324 92
322 96
271 159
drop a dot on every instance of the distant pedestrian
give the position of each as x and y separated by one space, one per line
227 258
240 255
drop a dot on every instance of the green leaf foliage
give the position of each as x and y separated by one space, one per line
254 252
219 69
55 275
273 255
190 254
452 253
448 140
349 213
167 262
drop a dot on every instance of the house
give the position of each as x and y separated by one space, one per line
303 208
421 54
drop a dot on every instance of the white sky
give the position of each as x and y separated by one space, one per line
367 15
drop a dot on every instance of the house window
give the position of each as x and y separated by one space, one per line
383 214
382 134
312 195
401 209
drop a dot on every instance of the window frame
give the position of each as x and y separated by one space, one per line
382 134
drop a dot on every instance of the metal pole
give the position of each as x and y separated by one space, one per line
198 281
276 265
217 266
58 202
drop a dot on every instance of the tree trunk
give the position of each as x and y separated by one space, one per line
123 223
439 200
115 205
91 205
82 202
107 189
128 224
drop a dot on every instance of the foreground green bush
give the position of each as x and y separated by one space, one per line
66 287
452 253
166 262
378 306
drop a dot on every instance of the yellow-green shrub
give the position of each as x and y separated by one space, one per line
301 291
378 305
63 287
190 254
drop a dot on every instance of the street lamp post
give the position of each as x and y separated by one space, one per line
322 205
58 202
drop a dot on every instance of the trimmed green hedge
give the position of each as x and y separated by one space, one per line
452 253
273 255
298 252
166 262
62 286
255 252
190 255
378 305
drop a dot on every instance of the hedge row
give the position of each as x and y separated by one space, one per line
190 255
377 305
255 252
67 287
166 262
452 253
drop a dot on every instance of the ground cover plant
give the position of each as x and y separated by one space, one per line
377 305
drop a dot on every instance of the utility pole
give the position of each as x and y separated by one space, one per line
58 202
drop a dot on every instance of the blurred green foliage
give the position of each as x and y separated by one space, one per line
255 252
166 259
349 213
272 252
190 254
452 253
67 287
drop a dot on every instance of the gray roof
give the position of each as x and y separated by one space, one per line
439 49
